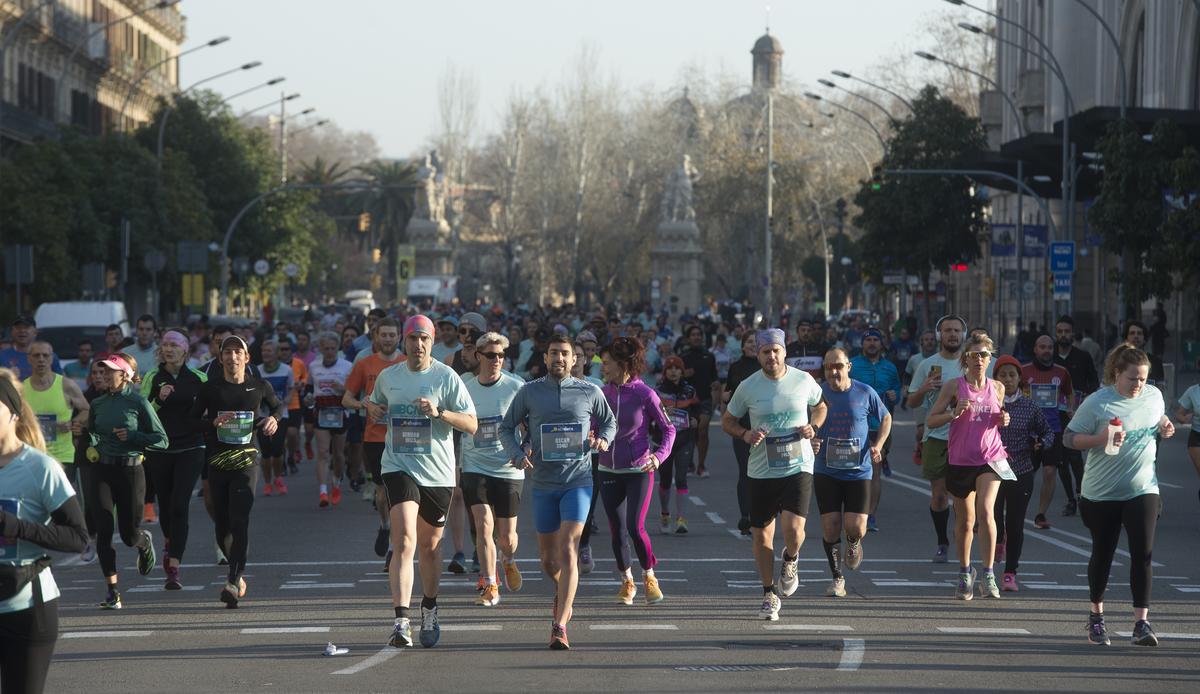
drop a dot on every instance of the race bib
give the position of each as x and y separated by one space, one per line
238 429
330 417
488 433
812 363
843 454
8 548
49 424
784 450
412 435
1003 469
562 441
1045 395
679 418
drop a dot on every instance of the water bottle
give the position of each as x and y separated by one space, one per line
1114 426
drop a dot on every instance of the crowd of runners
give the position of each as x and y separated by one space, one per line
447 418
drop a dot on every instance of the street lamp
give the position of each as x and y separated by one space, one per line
834 85
309 127
168 107
878 135
269 104
847 76
1007 99
133 86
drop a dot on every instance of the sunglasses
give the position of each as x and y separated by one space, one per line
979 355
491 356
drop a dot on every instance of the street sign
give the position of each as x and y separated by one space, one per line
155 261
893 278
1028 288
18 264
913 281
291 270
1062 256
191 256
1062 286
193 289
261 267
406 261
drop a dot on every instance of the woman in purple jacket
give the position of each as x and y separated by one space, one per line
626 470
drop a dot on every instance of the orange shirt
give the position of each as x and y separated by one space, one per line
300 371
362 379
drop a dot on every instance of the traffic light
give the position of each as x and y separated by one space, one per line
110 279
958 267
364 221
876 178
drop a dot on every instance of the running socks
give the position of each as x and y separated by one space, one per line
941 519
401 612
770 589
428 603
833 552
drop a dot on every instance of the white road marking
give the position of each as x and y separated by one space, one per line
104 634
300 582
715 517
738 571
984 631
907 485
623 627
155 588
737 533
299 586
1187 590
1034 585
696 500
385 654
285 630
471 627
304 575
852 654
877 571
807 627
1161 635
1168 484
901 583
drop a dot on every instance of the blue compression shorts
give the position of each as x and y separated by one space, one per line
553 506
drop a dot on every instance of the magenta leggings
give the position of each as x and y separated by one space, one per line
626 498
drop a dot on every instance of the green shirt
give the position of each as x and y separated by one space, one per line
779 409
1131 472
125 409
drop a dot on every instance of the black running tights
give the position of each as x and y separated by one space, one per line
1104 519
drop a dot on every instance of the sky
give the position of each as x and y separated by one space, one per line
375 65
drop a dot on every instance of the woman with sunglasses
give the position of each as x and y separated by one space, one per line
973 406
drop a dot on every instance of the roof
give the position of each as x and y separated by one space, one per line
767 44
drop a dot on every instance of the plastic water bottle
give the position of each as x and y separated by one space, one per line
1114 426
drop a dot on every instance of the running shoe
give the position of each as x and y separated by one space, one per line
88 555
112 600
149 515
1097 632
854 554
702 473
335 497
267 489
886 469
173 579
512 576
770 607
490 596
475 562
146 555
431 631
1009 583
293 468
280 486
1040 521
558 638
664 523
942 555
1070 508
356 485
221 559
322 500
382 539
789 578
480 584
965 590
368 491
458 564
1143 634
837 588
872 527
1000 552
230 594
628 590
653 592
401 634
681 526
989 589
308 450
586 562
744 526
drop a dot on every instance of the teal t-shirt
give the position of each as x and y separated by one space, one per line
416 444
1129 473
33 485
484 453
1190 401
778 408
950 369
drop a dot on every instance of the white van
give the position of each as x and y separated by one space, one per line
360 300
63 324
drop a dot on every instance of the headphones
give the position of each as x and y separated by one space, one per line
938 327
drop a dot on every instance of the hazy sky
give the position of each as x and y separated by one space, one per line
374 65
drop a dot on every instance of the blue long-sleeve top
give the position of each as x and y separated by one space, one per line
636 405
555 412
1027 424
880 375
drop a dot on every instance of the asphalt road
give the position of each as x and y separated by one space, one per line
313 578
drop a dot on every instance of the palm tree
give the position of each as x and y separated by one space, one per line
390 205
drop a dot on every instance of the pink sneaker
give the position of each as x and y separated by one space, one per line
1000 552
280 486
1009 583
267 489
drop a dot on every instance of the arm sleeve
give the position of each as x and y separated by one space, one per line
737 403
93 439
354 382
602 415
509 431
654 411
1041 428
64 533
458 399
272 400
150 433
200 416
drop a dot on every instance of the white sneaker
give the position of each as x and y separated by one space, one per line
586 562
770 607
789 579
836 589
88 555
368 491
854 555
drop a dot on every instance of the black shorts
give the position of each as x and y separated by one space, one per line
1052 456
768 497
432 502
704 409
842 496
960 479
373 457
310 417
272 446
294 418
1194 439
503 495
354 428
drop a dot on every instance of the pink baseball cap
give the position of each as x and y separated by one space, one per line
419 324
117 363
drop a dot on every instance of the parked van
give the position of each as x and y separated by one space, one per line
63 324
360 300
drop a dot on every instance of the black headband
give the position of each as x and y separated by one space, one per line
10 397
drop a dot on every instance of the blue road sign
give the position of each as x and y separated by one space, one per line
1062 256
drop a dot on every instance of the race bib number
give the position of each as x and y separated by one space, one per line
8 548
1003 470
679 418
49 424
813 363
562 441
783 451
412 435
843 454
1045 395
488 433
237 429
330 417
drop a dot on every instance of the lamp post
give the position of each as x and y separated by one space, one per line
268 83
289 97
847 76
1007 99
878 135
283 162
834 85
767 308
309 127
162 121
133 86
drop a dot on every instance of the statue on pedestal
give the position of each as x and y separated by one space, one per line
677 197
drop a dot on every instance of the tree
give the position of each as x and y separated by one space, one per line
390 207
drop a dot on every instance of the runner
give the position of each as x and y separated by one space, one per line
360 384
172 387
326 386
627 467
1185 412
1082 368
586 562
490 486
295 411
82 367
470 328
929 347
38 511
931 373
1135 336
843 474
1120 486
121 426
1051 388
786 411
1027 432
973 407
700 369
24 334
873 369
566 419
421 402
447 343
746 366
59 406
281 379
226 411
807 353
144 349
679 398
